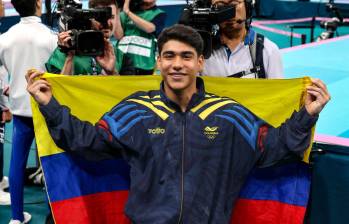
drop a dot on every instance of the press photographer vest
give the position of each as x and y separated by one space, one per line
140 47
256 51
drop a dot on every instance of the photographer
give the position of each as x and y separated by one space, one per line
238 51
68 63
140 25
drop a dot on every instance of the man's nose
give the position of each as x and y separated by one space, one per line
177 63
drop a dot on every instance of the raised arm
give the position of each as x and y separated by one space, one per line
295 134
141 23
68 132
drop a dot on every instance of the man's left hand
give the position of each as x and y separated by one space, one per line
317 97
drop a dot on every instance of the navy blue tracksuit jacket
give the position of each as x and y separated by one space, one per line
186 167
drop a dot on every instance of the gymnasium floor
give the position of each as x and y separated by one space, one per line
328 61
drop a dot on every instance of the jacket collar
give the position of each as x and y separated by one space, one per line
194 101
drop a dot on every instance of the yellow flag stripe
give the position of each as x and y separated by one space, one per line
203 115
159 112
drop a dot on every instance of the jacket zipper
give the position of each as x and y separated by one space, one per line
182 174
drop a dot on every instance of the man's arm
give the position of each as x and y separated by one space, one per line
72 134
295 134
119 31
68 132
142 24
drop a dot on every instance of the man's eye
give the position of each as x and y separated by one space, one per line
168 55
187 56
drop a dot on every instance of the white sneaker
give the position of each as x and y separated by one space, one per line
4 183
27 218
5 198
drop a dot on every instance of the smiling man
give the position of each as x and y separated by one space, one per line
189 151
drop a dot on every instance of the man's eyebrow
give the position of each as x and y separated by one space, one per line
181 52
168 52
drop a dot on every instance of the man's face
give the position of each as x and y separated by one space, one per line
231 27
179 64
107 31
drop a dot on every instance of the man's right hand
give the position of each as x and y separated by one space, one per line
38 88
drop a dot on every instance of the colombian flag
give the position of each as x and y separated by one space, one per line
87 191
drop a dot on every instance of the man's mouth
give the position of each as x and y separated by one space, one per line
177 75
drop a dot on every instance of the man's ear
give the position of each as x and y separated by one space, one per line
158 62
201 62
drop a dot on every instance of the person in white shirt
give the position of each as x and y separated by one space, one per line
26 45
239 51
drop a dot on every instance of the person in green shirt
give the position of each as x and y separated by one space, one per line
71 64
136 35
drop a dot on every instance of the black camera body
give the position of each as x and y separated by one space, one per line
204 18
84 40
135 5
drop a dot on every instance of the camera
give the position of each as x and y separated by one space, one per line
84 40
135 5
204 18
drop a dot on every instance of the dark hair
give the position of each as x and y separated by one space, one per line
25 7
181 33
95 3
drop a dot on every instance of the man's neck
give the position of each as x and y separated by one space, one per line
181 98
38 14
232 43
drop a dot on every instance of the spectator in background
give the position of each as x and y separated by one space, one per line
239 51
71 64
140 26
6 116
26 45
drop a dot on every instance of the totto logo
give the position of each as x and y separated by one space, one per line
156 131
